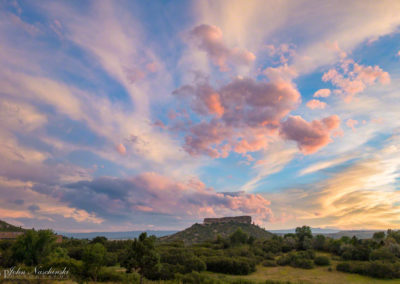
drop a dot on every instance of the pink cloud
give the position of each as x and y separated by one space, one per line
351 123
135 74
310 136
282 73
313 104
138 73
322 93
213 103
152 67
251 144
121 149
159 123
283 52
206 138
245 112
335 47
210 39
153 193
355 78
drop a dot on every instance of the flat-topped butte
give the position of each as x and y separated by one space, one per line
237 219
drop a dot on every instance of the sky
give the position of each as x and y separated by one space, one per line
152 115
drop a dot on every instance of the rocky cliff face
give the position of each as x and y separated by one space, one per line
238 219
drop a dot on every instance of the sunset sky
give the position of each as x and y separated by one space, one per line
134 115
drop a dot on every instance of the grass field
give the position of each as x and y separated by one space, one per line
319 274
297 275
287 273
280 273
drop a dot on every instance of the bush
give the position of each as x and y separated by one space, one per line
374 269
168 271
308 254
196 278
299 259
283 260
272 246
269 256
322 260
303 263
382 254
110 275
269 263
237 266
343 266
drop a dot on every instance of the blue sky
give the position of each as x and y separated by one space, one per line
128 115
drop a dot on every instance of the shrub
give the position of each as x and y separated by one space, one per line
238 266
382 254
375 269
343 266
108 274
303 263
299 259
194 264
269 256
269 263
272 246
196 278
308 254
322 260
283 260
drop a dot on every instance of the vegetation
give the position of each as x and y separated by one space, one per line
235 258
5 227
199 233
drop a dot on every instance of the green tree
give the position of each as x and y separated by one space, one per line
33 247
378 236
142 257
304 237
303 232
99 239
93 259
319 242
238 237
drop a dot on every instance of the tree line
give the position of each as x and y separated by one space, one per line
133 261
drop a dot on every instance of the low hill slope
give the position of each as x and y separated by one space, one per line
198 233
5 227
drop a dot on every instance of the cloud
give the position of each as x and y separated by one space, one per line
314 104
351 123
249 112
358 25
310 136
151 193
354 78
322 93
38 206
325 164
121 149
210 39
362 195
273 160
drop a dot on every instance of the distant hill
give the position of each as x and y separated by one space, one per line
315 231
361 234
115 235
333 233
6 227
198 233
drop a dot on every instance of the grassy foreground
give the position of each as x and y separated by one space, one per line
296 275
283 274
